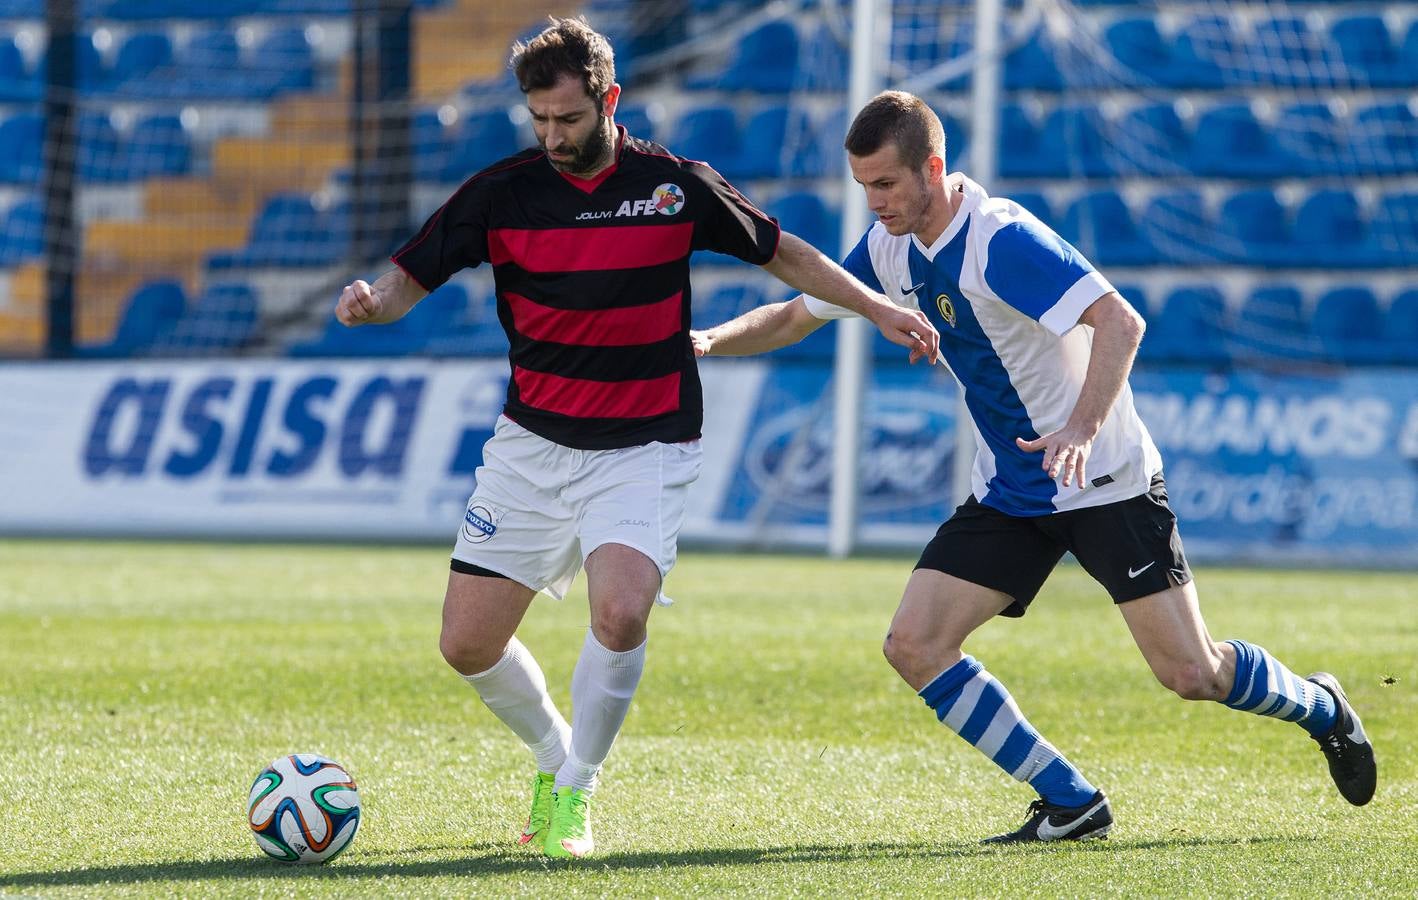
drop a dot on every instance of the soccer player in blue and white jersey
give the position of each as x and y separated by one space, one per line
1042 344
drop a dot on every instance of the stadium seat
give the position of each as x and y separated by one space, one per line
429 143
1101 226
1347 324
1400 329
1393 230
806 215
766 61
18 84
1178 225
1024 151
224 318
764 148
1255 230
475 329
1285 51
99 158
1080 128
1368 53
1190 327
1037 203
1408 56
823 61
1152 140
637 121
1203 45
142 54
1031 65
157 145
289 231
152 312
1313 141
283 61
438 314
1330 230
208 66
21 147
1385 139
1231 142
1271 325
481 139
1144 54
22 232
727 301
708 134
817 149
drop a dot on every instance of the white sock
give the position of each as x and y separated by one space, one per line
516 691
601 689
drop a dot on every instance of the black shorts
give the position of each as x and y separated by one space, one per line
1131 547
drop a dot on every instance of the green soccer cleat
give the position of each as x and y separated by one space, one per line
570 833
535 831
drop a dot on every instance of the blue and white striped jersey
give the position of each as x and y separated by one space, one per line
1006 292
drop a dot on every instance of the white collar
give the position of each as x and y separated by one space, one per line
974 196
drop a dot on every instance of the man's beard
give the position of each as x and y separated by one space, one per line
589 155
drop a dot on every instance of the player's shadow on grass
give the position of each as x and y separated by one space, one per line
489 859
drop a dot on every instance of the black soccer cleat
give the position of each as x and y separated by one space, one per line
1346 747
1062 823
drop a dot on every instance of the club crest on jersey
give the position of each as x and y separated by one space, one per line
666 200
480 521
947 309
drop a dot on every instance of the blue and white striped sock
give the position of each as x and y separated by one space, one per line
1265 687
973 704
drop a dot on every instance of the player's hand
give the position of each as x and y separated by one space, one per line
701 341
910 328
1065 453
359 305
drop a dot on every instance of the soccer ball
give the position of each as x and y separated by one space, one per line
303 809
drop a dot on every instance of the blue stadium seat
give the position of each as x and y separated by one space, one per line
1348 324
806 215
1393 230
1024 151
1385 139
437 315
481 139
1178 225
1231 142
1203 45
1284 51
1038 204
1080 129
1101 226
142 54
22 232
1368 53
763 146
823 61
283 61
21 148
1408 55
708 134
1031 65
153 311
726 302
1271 324
22 9
18 83
1190 327
1331 231
1143 53
223 318
429 143
1152 140
208 66
157 145
637 121
1400 329
1255 229
766 61
100 160
289 231
475 330
818 148
1313 140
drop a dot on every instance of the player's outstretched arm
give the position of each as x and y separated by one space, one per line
391 296
758 330
1117 331
801 266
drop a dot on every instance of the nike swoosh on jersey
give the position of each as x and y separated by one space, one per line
1048 832
1133 573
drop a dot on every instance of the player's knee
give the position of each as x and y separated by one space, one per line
619 624
465 653
910 653
1191 681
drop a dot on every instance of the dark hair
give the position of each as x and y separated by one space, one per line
902 119
565 47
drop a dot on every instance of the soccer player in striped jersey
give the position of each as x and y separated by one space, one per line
1042 344
589 236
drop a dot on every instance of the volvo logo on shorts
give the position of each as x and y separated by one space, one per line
480 522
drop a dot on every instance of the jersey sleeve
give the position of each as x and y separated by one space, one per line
1040 274
731 224
453 238
859 263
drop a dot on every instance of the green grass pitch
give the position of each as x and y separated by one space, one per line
771 751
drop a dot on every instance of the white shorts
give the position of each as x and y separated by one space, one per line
539 509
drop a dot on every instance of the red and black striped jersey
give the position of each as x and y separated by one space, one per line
592 279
